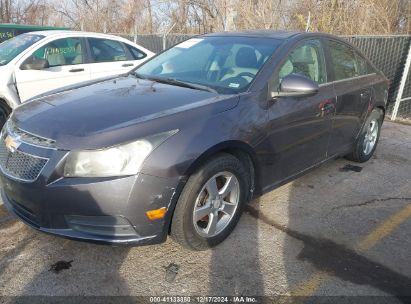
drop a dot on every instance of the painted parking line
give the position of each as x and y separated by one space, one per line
384 229
309 287
315 281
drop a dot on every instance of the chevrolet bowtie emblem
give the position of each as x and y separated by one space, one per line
12 143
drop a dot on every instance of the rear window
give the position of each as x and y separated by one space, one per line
136 53
344 61
364 66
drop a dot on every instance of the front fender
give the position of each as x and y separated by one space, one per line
9 92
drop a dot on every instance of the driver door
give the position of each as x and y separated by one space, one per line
300 126
66 66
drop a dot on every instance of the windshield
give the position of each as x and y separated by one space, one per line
227 65
11 48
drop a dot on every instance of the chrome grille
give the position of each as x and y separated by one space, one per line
20 165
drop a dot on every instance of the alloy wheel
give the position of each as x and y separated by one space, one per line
216 204
370 138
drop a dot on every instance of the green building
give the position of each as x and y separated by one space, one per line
8 30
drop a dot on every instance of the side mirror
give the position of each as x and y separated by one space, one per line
35 64
297 86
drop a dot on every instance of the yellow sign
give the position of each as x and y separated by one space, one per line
6 35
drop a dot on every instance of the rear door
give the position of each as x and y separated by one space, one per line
353 88
67 66
109 58
300 126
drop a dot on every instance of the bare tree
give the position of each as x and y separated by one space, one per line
353 16
5 12
198 16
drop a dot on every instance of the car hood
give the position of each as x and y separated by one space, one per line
81 117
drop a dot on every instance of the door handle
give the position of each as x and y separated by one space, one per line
328 107
127 65
76 70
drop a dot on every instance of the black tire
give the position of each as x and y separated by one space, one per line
358 155
4 113
183 230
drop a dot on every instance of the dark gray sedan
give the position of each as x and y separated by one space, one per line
182 143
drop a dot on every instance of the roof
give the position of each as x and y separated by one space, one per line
271 34
29 27
53 33
258 33
62 34
68 32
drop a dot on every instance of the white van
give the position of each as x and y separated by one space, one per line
37 62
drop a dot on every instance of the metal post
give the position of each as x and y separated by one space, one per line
105 27
165 36
135 29
308 22
402 85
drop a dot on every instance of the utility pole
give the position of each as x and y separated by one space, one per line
409 17
135 29
307 27
165 36
229 16
150 17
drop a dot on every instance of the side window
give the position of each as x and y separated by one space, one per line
67 51
308 60
136 53
344 62
105 50
364 67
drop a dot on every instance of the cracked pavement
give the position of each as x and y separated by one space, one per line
326 233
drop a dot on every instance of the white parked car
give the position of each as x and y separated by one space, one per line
37 62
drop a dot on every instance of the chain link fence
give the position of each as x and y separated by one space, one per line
156 42
388 53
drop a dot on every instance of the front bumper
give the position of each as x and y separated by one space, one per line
106 210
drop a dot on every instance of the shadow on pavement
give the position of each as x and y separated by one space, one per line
66 267
235 264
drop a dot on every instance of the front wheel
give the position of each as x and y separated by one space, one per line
367 141
211 203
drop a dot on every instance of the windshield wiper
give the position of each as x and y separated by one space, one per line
137 75
176 82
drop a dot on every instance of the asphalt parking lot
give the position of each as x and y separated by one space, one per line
330 232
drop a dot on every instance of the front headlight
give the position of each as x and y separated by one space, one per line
119 160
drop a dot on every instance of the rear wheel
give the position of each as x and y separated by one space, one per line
4 113
367 141
211 203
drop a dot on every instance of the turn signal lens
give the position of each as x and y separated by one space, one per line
156 214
